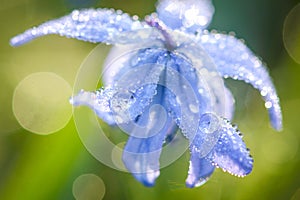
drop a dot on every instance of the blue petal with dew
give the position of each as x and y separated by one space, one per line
142 151
200 170
230 153
234 59
92 25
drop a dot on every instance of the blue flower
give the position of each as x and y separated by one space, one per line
168 75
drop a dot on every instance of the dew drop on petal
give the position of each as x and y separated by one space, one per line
119 104
268 104
209 123
194 108
121 101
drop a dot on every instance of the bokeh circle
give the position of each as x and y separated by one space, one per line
291 33
40 103
88 187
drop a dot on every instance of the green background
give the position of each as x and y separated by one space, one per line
35 167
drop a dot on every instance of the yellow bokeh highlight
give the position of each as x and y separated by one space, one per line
88 187
41 103
291 33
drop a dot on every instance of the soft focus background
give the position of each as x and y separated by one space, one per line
42 157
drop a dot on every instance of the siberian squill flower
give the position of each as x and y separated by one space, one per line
168 75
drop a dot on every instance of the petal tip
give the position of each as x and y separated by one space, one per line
147 179
198 183
16 41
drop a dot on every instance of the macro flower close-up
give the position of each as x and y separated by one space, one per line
166 73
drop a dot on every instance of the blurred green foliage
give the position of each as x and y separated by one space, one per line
35 167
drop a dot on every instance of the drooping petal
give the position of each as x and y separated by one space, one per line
189 15
92 25
200 170
230 152
217 143
201 147
234 59
143 148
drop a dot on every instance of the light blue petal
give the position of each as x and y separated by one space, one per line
124 57
98 101
149 62
233 59
211 84
230 152
217 143
229 104
143 148
189 15
207 135
183 99
198 79
200 170
136 82
127 100
92 25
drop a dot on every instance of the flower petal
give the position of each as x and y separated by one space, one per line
229 104
117 105
126 57
182 100
136 82
92 25
97 101
211 85
142 151
132 60
200 170
230 152
233 59
190 15
207 135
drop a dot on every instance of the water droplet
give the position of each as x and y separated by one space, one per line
194 108
268 104
121 101
178 100
263 93
209 123
120 105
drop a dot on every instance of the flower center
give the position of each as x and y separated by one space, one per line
155 22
